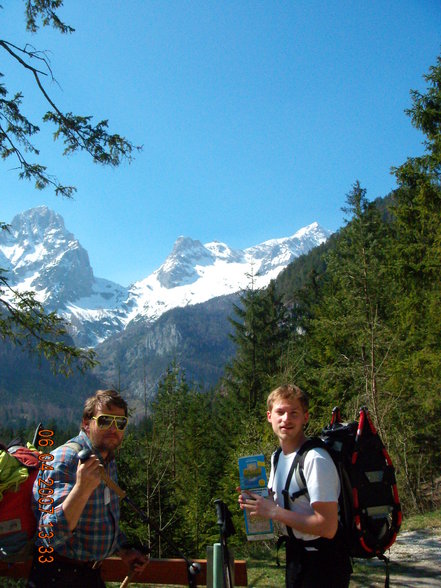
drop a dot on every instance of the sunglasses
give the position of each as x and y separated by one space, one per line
104 421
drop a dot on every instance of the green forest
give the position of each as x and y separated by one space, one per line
355 322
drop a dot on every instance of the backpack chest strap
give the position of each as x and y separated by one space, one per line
293 496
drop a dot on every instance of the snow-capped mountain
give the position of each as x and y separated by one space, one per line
41 255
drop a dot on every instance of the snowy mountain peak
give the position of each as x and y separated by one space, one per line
180 266
38 221
222 251
275 254
43 256
310 229
31 229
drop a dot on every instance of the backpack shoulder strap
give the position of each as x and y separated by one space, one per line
275 458
72 445
296 470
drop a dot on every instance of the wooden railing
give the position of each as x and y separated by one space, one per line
158 571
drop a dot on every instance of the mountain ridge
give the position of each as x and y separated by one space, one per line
40 254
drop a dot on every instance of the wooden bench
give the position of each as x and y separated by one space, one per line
159 571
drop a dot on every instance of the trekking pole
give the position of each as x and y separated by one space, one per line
127 580
193 568
37 434
132 573
226 529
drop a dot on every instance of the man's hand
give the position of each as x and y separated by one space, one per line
256 505
88 475
134 559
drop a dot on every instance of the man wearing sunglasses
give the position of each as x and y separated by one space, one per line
80 528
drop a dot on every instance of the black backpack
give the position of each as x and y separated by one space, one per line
370 511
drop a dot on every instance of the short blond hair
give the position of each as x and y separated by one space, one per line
288 392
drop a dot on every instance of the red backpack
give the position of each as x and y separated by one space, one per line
17 520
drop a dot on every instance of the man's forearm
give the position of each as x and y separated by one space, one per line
73 506
323 521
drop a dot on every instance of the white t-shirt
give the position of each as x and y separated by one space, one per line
321 479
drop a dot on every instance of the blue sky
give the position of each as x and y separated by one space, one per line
256 117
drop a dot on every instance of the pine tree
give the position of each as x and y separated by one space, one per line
348 334
260 331
195 447
416 254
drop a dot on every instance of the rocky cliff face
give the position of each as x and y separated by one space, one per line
195 337
179 268
43 256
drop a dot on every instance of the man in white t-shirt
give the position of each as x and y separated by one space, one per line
315 553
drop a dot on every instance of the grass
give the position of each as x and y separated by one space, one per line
263 571
429 520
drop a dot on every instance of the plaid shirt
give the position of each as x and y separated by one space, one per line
96 535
